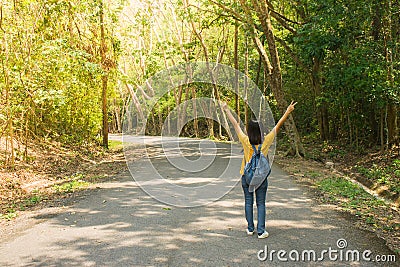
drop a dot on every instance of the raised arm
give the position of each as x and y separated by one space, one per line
232 119
289 110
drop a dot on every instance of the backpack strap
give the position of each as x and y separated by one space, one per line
254 148
257 150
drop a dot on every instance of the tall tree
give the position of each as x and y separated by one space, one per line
261 11
104 78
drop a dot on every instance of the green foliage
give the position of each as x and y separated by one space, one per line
348 41
33 200
71 101
115 145
353 198
53 68
72 186
313 174
389 175
340 187
9 215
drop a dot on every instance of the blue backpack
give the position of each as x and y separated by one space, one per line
257 169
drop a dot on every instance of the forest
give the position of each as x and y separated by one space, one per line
74 72
70 70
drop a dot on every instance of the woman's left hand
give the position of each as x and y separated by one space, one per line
290 108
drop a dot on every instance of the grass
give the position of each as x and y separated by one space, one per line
33 200
352 197
9 215
313 174
370 213
384 175
115 145
342 188
68 187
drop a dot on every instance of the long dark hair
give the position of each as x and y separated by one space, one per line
254 132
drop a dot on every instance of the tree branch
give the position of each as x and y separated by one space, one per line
252 27
235 15
293 55
281 18
283 21
1 18
275 13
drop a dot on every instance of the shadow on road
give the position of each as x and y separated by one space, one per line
120 225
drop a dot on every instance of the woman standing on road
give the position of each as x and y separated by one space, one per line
254 137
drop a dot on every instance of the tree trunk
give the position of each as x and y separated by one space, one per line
236 63
104 78
392 122
117 111
246 91
195 121
382 130
391 107
138 106
320 104
180 116
215 92
274 75
129 117
9 159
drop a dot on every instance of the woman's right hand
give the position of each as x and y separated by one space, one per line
224 105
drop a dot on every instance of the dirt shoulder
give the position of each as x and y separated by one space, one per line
329 185
52 173
55 176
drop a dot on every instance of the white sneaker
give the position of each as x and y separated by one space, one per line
248 232
263 235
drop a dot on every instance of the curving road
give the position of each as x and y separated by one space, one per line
118 224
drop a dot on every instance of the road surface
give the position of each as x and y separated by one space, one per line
118 224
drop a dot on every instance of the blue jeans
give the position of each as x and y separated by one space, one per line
261 195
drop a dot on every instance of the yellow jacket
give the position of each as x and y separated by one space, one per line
248 150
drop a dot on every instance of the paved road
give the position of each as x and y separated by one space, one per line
118 224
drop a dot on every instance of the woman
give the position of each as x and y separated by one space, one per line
254 138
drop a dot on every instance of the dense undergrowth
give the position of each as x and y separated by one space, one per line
363 183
